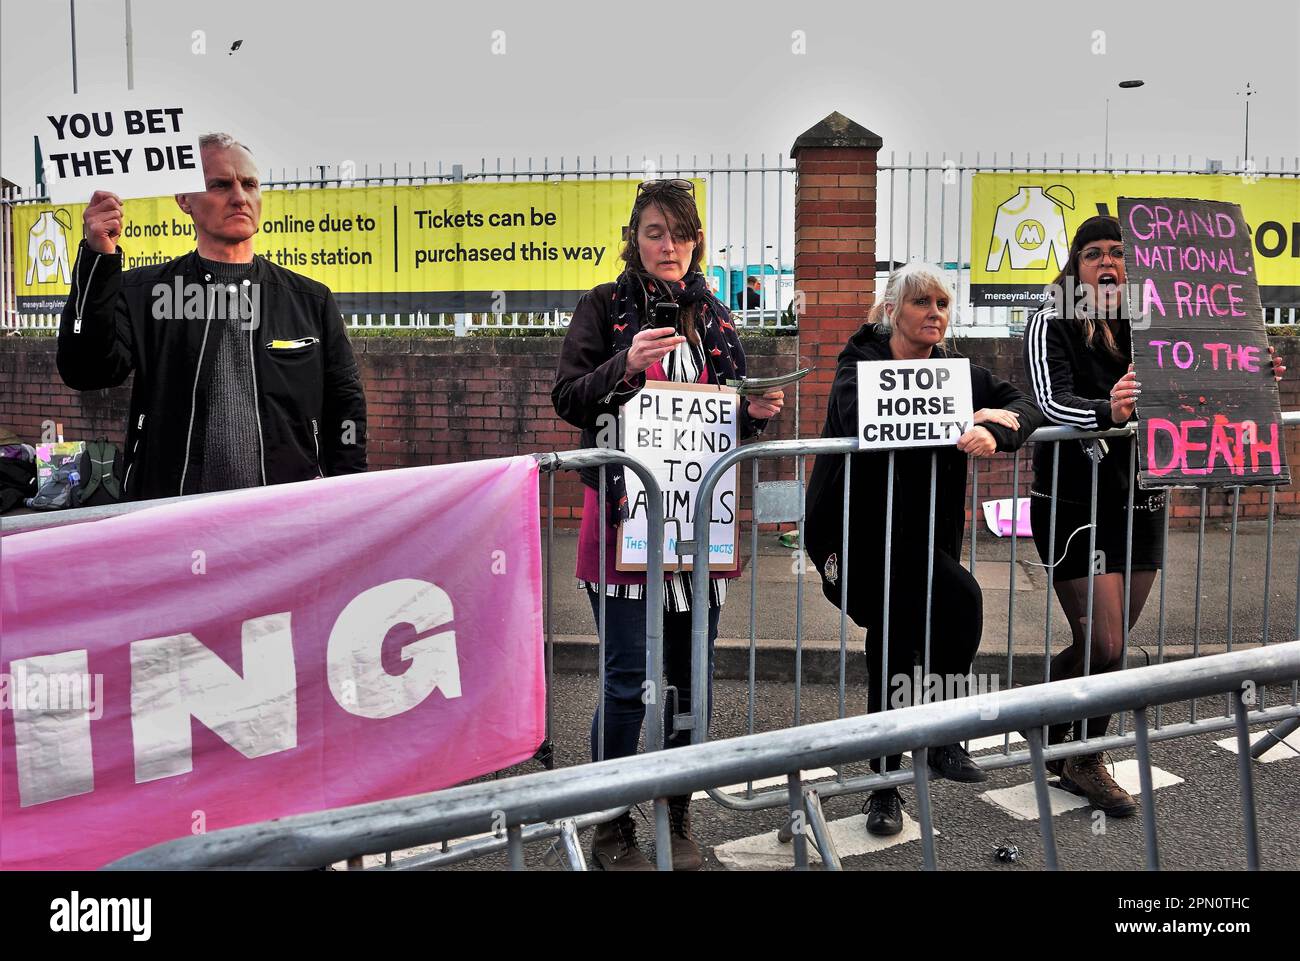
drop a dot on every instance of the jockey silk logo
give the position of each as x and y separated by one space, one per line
1030 227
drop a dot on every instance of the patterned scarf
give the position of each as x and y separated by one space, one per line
635 295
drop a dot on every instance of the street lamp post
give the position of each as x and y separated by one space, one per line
1245 149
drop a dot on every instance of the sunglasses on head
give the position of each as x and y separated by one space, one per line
656 186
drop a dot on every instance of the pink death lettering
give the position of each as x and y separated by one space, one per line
1235 446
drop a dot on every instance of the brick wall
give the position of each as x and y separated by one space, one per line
434 400
445 400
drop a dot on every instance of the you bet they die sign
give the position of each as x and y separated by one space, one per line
136 148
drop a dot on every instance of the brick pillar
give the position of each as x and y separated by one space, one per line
834 250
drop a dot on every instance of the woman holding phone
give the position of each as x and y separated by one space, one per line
658 321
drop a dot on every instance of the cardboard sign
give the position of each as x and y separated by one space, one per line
913 403
679 431
136 149
1209 410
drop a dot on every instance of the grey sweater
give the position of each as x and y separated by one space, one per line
231 445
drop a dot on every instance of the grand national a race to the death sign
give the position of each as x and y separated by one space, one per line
1209 415
912 403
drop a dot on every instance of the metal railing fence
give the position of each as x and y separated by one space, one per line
310 840
1285 717
549 465
923 212
749 221
699 545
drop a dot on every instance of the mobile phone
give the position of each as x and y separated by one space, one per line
667 314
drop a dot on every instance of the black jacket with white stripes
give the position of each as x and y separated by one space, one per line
1071 383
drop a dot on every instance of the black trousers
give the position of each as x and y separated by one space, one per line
957 621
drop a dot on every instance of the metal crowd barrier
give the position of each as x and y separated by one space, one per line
549 464
309 840
1287 717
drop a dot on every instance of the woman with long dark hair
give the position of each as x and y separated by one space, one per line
609 353
1078 359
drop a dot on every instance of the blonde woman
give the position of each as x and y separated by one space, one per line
909 322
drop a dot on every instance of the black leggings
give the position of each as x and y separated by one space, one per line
957 621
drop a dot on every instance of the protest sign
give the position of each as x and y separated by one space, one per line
439 248
136 148
679 431
1209 414
913 403
266 652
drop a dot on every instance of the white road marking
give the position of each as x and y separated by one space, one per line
1021 803
1285 750
763 852
820 774
986 743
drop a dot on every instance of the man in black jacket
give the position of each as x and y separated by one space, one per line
243 371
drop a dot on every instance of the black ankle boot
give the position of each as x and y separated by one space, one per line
884 811
952 761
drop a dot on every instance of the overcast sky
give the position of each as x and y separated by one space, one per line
384 81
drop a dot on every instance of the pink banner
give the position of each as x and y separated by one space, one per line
263 653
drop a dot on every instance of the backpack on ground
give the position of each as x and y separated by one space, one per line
100 467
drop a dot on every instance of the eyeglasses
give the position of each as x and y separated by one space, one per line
1092 255
655 186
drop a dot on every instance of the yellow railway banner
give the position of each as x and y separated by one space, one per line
1022 224
437 248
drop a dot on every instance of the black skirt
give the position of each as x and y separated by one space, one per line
1112 530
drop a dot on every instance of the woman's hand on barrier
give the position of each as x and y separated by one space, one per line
766 405
1123 396
996 415
1278 367
649 346
977 442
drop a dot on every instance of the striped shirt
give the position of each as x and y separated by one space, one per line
683 366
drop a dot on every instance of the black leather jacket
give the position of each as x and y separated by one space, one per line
311 408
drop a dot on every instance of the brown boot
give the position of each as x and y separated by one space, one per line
1086 775
686 853
614 847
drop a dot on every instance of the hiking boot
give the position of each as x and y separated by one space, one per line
686 853
884 811
614 847
1086 775
952 761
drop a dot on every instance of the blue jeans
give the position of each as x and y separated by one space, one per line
625 673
